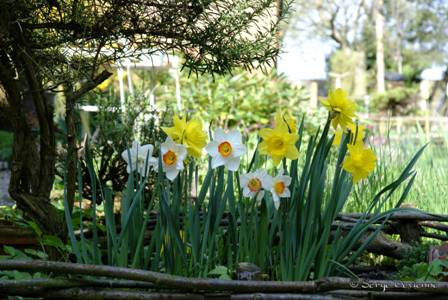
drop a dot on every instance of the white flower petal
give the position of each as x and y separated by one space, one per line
135 145
146 150
244 179
234 137
218 161
127 154
181 152
233 163
219 135
238 150
179 164
286 193
247 192
153 162
167 145
171 173
286 179
260 173
141 170
212 148
266 181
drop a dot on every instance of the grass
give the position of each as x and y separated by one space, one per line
430 190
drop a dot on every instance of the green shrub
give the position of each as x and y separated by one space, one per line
112 131
244 100
398 100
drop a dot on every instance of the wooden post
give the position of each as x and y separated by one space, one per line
410 231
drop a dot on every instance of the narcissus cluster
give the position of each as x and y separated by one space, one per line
188 138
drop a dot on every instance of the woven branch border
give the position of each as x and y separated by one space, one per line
133 278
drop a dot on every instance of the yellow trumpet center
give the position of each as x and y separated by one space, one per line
279 187
254 184
169 158
225 149
278 143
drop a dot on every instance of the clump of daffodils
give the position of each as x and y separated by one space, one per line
188 138
361 160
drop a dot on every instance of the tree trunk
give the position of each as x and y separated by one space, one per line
32 174
30 113
33 157
379 30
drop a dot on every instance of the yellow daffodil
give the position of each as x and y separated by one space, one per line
360 161
341 108
285 119
190 134
278 143
358 132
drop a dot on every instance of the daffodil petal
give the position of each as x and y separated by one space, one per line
233 163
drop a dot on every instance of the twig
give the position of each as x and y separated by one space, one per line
414 215
95 293
68 283
88 86
433 225
161 280
435 236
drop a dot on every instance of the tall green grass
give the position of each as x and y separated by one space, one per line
430 190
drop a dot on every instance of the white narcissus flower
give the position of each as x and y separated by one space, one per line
139 157
226 149
255 183
280 184
173 156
